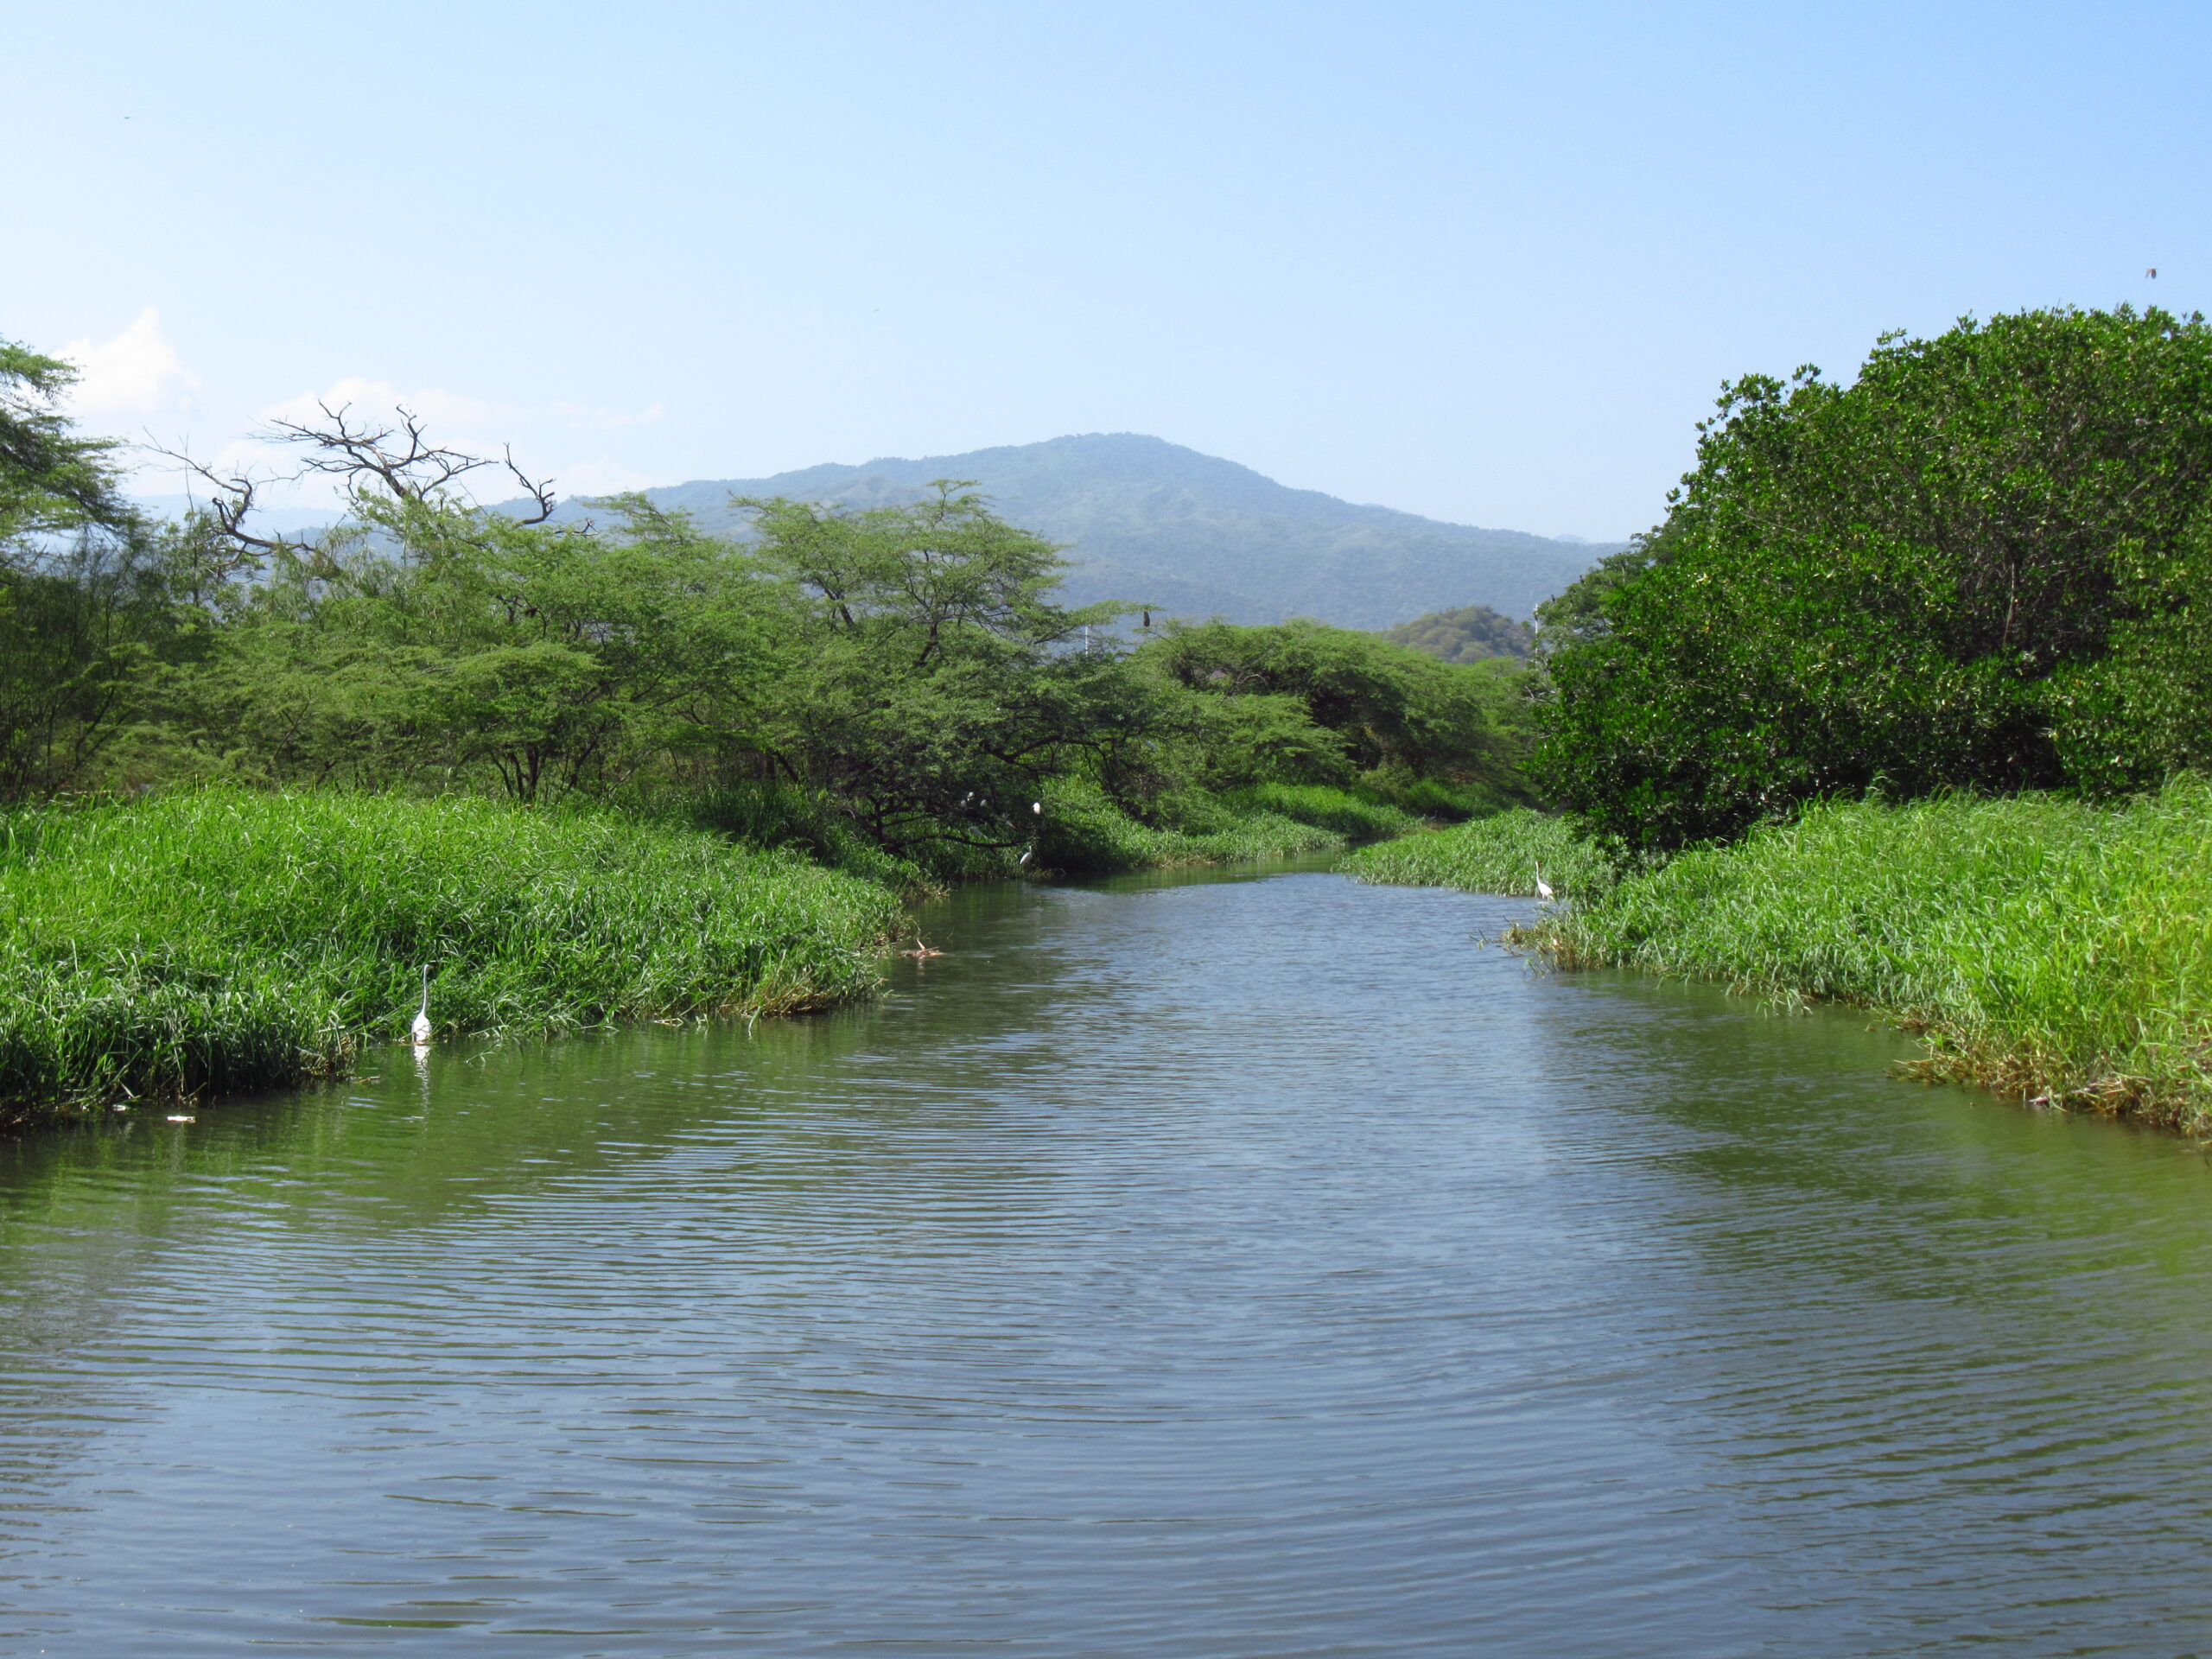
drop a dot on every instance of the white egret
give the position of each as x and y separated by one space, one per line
1543 887
420 1031
1037 807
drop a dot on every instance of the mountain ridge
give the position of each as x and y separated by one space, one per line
1152 522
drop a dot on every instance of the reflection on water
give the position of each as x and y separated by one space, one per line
1207 1267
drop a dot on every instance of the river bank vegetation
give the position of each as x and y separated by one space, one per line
236 741
2053 949
219 939
1908 704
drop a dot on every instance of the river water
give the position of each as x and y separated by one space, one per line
1242 1265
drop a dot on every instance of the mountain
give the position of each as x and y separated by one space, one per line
1194 536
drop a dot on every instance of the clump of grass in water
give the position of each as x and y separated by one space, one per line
2054 951
203 943
1498 853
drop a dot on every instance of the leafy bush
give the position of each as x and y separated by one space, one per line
1980 565
1300 703
1472 633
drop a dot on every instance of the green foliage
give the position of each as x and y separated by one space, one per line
1303 702
200 942
2144 710
1980 565
87 593
1085 832
52 479
769 812
2047 947
1432 798
428 642
1502 853
1359 815
1472 633
931 690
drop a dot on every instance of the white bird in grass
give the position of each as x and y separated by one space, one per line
420 1031
1543 887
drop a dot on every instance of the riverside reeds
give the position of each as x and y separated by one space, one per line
2051 950
1499 853
207 942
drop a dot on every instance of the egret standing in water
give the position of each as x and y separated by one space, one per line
1543 887
420 1031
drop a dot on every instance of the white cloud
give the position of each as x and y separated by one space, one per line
138 371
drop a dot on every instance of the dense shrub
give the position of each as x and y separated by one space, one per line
1983 564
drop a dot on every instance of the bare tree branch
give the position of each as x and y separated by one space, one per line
400 458
231 500
539 490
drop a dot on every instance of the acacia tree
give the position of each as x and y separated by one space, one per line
1912 582
87 599
429 636
934 684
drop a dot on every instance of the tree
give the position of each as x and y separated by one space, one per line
1472 633
1913 582
1300 701
933 683
428 636
85 595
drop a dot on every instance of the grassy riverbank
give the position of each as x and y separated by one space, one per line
1084 832
201 943
2045 948
1499 853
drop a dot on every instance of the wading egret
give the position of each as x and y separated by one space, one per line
420 1031
1543 887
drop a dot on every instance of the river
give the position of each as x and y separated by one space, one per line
1246 1264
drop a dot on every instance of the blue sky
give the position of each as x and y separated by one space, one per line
1485 262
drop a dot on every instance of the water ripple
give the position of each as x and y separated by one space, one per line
1204 1267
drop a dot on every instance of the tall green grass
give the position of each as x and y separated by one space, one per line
1084 832
219 941
1359 816
1500 854
2045 948
2048 949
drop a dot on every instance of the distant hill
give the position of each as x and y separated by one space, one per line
1465 635
1152 522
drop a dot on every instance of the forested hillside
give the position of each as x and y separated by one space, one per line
1194 536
